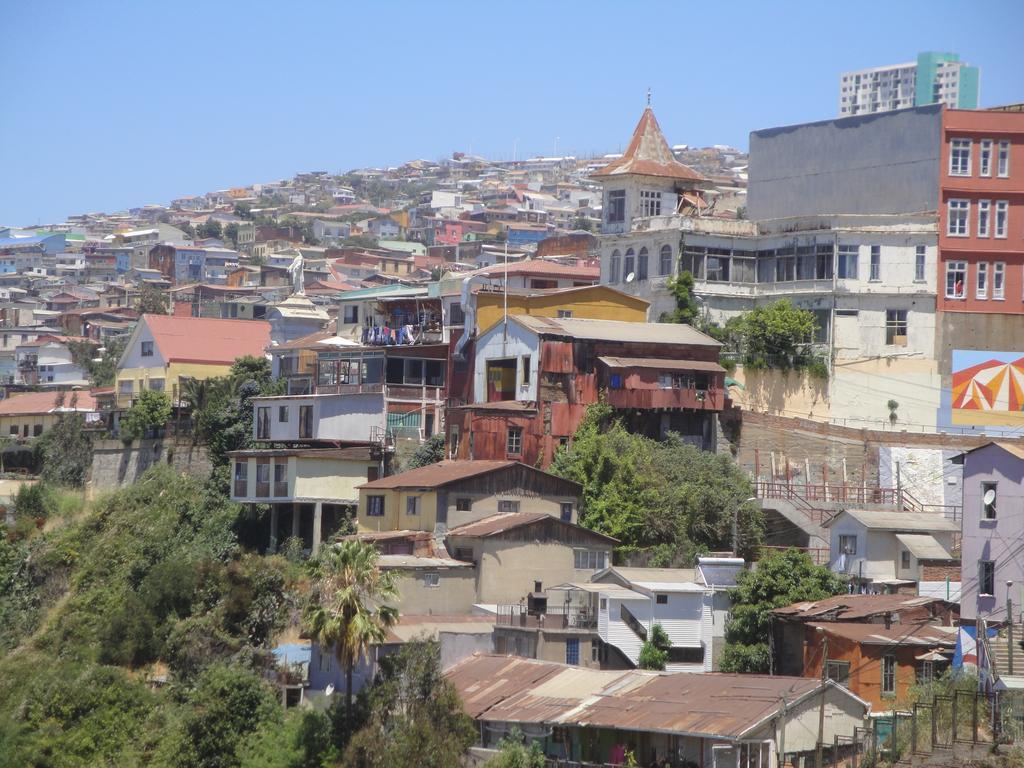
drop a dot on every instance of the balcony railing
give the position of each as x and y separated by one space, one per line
693 399
554 617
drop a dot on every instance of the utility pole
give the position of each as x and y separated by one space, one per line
818 762
782 735
1009 628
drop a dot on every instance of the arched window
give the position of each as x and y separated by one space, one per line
665 260
629 265
613 266
641 265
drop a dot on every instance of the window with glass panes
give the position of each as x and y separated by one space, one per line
896 327
1002 214
847 262
876 263
665 260
984 209
956 218
960 157
981 285
650 203
919 262
956 279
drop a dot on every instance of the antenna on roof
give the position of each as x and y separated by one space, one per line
648 96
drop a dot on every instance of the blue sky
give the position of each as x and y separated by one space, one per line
106 105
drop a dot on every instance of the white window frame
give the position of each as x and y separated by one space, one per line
962 208
1003 161
985 157
650 203
848 257
999 280
920 263
844 540
981 281
952 267
960 157
984 217
875 265
1002 219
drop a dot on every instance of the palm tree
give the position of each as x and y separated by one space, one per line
348 609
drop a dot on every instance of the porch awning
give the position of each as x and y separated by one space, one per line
613 591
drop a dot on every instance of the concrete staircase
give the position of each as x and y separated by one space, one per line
1001 651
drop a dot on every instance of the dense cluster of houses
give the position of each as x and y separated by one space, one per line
477 306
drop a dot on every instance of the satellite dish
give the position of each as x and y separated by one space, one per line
630 277
329 690
989 497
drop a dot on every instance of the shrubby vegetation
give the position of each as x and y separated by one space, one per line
667 498
781 579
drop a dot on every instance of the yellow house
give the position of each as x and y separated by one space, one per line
591 302
164 349
32 413
312 492
453 493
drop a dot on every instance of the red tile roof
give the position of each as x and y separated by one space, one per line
205 340
35 403
648 154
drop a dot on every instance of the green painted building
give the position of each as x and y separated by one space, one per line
942 77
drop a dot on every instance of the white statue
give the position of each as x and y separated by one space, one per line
295 270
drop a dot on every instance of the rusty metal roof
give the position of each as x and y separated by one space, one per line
516 690
648 154
854 607
435 475
661 363
921 633
500 523
615 330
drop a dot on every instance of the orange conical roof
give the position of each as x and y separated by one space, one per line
648 154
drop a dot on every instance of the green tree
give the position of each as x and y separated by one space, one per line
211 228
360 241
231 234
667 495
430 452
243 210
582 223
776 334
348 611
781 579
65 449
101 370
152 301
654 651
415 716
514 753
151 411
227 705
681 289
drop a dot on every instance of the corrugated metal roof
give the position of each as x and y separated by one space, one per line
849 607
434 475
615 330
414 627
661 364
416 561
897 634
614 591
923 546
892 520
510 689
496 524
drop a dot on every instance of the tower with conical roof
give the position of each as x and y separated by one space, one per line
647 180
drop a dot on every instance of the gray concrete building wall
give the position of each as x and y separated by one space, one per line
880 163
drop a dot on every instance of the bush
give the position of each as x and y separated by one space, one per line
151 412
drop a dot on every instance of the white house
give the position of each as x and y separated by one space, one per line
47 360
886 551
691 605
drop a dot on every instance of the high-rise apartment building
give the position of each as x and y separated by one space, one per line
935 78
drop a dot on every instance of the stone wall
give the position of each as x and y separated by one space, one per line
115 464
